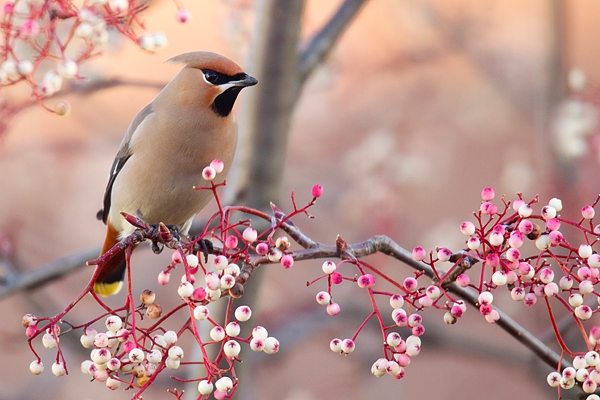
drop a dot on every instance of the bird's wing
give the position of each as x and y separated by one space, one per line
121 158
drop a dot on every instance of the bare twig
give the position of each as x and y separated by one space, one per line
319 47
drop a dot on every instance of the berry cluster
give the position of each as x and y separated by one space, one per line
45 42
516 251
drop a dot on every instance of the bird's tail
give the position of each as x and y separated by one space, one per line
111 276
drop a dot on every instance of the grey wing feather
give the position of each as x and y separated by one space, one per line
121 158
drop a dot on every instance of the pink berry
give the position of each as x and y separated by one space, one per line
217 165
333 309
463 280
317 191
287 261
336 278
183 15
366 281
231 242
487 194
262 249
411 284
419 253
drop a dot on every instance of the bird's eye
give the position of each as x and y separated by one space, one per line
211 76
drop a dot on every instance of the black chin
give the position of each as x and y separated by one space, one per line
224 102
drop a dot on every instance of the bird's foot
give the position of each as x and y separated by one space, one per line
205 246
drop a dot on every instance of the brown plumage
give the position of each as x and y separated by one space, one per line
165 149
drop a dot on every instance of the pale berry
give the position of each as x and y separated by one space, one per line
170 337
205 387
565 282
336 345
154 356
585 251
586 287
583 312
250 235
499 278
551 289
49 341
587 212
467 228
396 301
543 242
36 367
393 339
172 363
433 292
257 344
227 281
217 333
525 211
553 379
591 358
209 173
224 384
517 293
163 278
243 313
260 332
201 313
323 298
271 345
444 254
232 329
185 289
594 260
347 346
575 300
473 243
329 267
58 369
496 239
333 309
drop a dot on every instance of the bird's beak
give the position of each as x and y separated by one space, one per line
246 81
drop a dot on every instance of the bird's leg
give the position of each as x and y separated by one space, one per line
205 246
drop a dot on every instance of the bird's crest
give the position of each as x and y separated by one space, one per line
207 60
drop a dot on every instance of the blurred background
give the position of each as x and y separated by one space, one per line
419 105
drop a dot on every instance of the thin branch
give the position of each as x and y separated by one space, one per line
46 273
317 50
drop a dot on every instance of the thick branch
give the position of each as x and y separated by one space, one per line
317 50
385 245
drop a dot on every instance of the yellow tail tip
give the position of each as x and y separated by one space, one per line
107 289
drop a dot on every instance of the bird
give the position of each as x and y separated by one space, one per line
165 149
